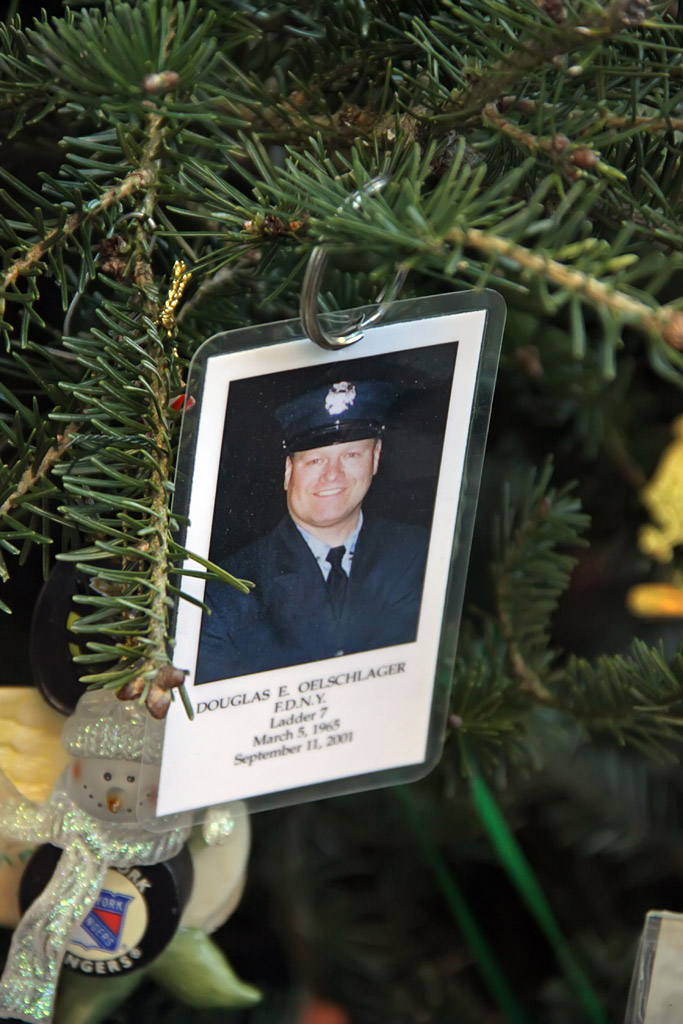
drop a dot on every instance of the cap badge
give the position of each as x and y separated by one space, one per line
340 396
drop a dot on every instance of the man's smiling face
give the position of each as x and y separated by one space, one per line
326 486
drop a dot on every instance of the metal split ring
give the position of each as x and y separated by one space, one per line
308 307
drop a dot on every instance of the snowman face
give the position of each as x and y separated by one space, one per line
110 789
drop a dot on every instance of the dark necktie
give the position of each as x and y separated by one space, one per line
337 578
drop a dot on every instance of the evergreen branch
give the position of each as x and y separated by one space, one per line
637 699
531 573
464 211
31 477
160 480
129 387
646 124
663 322
121 46
132 183
502 676
526 57
160 477
559 148
489 709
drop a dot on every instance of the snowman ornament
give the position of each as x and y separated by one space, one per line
94 816
111 785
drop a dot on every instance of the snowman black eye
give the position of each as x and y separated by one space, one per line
131 778
107 776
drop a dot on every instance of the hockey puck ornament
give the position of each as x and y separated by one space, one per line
135 916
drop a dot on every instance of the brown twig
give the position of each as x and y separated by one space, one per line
663 321
160 476
605 120
132 183
529 680
156 657
648 124
31 477
553 146
558 147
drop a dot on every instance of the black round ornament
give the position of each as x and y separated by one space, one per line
53 644
135 916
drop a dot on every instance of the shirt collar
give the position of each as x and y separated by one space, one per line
321 549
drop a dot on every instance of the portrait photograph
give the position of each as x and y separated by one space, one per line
325 505
330 484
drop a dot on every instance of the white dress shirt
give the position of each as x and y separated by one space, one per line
320 549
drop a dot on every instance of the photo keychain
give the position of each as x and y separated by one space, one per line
337 483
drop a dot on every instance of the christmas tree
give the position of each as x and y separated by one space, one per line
168 169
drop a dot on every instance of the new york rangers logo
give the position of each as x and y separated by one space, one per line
103 927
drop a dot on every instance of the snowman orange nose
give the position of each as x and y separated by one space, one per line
114 800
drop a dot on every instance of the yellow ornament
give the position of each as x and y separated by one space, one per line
655 601
663 498
32 755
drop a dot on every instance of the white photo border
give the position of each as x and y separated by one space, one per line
225 753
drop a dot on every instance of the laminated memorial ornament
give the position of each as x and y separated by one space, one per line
91 815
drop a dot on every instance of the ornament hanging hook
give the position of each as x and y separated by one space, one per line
308 307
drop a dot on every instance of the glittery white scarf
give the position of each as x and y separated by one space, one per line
90 847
